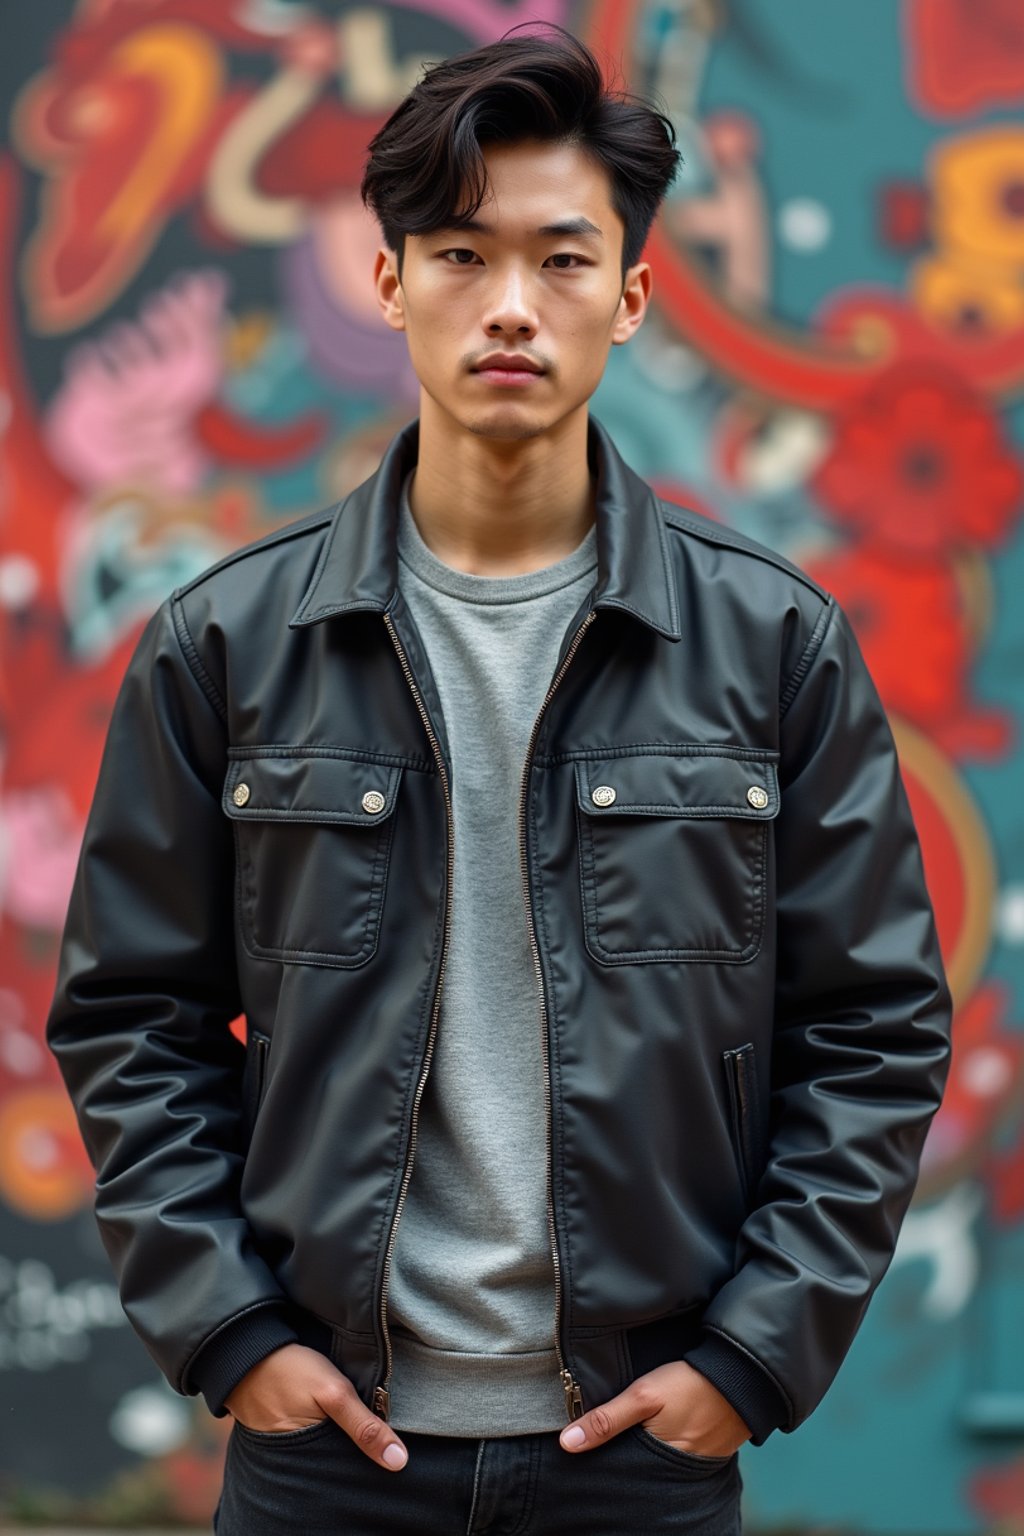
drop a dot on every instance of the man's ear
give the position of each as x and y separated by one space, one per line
636 293
389 288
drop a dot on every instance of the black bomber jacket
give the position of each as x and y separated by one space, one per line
742 1009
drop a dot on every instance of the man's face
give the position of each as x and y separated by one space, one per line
556 298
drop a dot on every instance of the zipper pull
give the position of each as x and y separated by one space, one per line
382 1402
573 1396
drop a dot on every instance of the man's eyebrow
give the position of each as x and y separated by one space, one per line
579 228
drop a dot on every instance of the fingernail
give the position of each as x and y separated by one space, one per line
574 1436
396 1455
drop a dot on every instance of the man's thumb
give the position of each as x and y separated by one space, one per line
602 1423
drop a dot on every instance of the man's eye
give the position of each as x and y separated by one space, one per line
462 250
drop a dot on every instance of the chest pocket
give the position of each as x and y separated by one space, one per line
673 854
313 834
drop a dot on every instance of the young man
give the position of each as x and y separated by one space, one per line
552 840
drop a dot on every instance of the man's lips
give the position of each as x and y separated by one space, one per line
507 364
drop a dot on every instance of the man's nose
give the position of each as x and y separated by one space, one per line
512 307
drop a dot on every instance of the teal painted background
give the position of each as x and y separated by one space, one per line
833 361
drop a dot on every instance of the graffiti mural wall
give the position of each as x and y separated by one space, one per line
191 355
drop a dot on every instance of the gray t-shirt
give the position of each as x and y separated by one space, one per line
471 1304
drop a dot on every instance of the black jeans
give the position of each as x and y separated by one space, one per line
315 1480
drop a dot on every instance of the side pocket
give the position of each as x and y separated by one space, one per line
257 1050
739 1077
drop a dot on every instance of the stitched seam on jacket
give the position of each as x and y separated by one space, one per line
314 813
356 606
302 749
598 1330
318 569
730 812
715 534
811 650
191 655
666 562
733 809
338 959
308 812
754 908
640 613
295 530
619 749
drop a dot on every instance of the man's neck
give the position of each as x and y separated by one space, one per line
498 507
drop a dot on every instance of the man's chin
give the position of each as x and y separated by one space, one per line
511 420
508 430
507 420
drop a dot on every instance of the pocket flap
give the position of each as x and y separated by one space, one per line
678 784
310 786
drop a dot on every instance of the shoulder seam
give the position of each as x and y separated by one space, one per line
278 536
192 658
718 535
810 650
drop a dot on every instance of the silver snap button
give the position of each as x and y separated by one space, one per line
373 801
241 794
604 794
757 796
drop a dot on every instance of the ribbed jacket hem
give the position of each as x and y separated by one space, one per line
452 1392
226 1357
742 1382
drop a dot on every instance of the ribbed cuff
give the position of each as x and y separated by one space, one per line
236 1348
743 1383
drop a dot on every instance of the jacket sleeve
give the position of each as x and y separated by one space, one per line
860 1055
139 1024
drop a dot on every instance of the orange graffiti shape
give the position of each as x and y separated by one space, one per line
112 148
959 864
44 1170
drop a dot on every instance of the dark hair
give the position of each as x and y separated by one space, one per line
427 157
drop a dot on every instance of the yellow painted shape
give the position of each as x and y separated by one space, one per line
188 69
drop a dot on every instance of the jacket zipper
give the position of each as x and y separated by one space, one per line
382 1393
571 1388
738 1062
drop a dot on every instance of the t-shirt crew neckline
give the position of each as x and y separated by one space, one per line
468 585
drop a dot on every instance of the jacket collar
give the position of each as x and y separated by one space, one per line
357 568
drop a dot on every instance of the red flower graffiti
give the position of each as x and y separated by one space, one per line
913 619
918 463
965 55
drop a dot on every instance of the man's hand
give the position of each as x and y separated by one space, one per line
294 1387
675 1403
